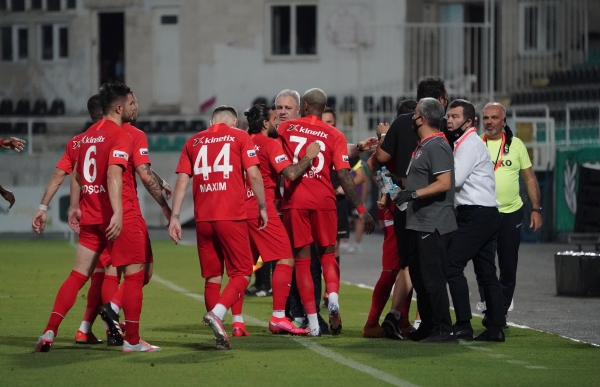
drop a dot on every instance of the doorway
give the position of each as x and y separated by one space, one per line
111 47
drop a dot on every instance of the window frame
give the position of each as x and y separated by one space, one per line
15 43
541 49
293 56
56 26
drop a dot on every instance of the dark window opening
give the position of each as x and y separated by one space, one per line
2 4
168 19
53 5
6 43
17 5
23 43
36 4
280 30
531 28
47 42
112 47
63 42
71 4
306 30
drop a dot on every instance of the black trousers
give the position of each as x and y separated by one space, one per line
294 303
402 236
508 242
474 240
427 268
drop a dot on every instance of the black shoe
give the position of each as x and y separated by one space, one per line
463 331
485 322
419 334
491 335
112 320
440 337
252 290
114 341
323 325
391 326
325 302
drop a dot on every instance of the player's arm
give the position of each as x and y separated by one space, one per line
365 145
39 219
256 182
361 176
178 195
8 196
114 178
163 184
294 171
533 190
13 143
75 193
347 184
152 184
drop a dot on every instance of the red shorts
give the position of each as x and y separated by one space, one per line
131 245
105 259
93 237
306 226
272 243
224 243
390 259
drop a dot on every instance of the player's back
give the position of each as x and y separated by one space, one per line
103 144
313 190
217 158
69 157
139 155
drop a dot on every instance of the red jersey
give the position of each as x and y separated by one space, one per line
69 158
272 160
217 159
102 145
313 191
139 156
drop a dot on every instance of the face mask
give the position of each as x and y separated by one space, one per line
416 126
456 133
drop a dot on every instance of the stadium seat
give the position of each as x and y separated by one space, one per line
20 128
161 144
162 126
144 126
22 108
5 127
6 107
178 143
179 126
40 128
197 125
57 108
40 108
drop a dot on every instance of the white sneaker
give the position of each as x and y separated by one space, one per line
45 342
313 332
416 324
142 346
481 306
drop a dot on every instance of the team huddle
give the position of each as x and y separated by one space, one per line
235 176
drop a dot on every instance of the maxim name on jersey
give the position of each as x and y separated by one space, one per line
210 187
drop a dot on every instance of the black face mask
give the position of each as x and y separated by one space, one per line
456 133
416 126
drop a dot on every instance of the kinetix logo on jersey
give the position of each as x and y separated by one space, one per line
212 140
317 133
92 140
75 144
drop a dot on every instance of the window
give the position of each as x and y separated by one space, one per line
71 4
2 5
36 4
538 25
53 5
293 30
54 41
17 5
14 43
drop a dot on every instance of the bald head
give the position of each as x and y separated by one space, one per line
313 102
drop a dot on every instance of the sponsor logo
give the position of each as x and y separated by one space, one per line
75 144
519 225
292 128
317 133
144 151
345 158
249 193
196 141
120 154
256 148
423 237
251 153
418 154
212 140
280 158
211 187
92 140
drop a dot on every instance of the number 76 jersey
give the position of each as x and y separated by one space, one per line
216 159
313 191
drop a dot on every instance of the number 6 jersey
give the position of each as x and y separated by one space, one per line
313 191
216 159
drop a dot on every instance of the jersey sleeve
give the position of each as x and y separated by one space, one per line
277 156
442 159
140 149
340 153
65 163
248 154
120 151
524 156
185 160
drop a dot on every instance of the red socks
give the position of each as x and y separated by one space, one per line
109 287
117 299
94 297
406 305
282 279
381 295
212 293
236 308
306 288
233 291
132 305
331 273
65 299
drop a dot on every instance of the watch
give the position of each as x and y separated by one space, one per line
414 195
538 210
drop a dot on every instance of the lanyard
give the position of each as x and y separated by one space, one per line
463 137
422 143
498 161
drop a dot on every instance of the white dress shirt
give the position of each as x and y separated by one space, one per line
475 183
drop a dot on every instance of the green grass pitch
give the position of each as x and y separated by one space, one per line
31 272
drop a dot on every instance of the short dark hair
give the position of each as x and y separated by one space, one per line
406 106
468 109
112 92
331 111
431 87
256 115
225 108
95 108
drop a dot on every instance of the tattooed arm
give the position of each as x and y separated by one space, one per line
151 182
163 184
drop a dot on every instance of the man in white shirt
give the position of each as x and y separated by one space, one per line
478 222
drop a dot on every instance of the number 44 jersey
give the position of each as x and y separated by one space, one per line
313 191
103 144
216 159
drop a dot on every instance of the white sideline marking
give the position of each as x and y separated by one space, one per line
303 341
536 367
